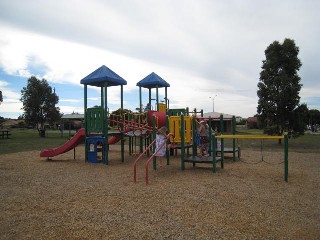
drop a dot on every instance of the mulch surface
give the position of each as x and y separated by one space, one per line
70 199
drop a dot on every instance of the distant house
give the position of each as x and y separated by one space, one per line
227 121
252 122
238 119
77 116
74 120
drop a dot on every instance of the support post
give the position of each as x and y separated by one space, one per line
140 100
106 158
166 98
154 132
210 135
167 150
130 147
222 140
286 146
213 147
122 134
194 132
234 140
157 99
101 96
182 140
85 121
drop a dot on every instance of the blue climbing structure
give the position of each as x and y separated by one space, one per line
96 119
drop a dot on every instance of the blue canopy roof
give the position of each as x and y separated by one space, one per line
101 75
153 81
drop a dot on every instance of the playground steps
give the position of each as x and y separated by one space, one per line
177 147
197 159
230 150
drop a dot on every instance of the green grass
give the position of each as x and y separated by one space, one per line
249 132
28 140
305 143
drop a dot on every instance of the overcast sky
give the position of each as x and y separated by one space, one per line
202 48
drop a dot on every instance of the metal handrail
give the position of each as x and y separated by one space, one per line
139 157
148 161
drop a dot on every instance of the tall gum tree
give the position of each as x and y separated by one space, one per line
39 103
279 87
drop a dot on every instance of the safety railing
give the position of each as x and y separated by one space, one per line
139 157
148 161
150 158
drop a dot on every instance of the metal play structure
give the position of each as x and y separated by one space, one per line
103 129
285 149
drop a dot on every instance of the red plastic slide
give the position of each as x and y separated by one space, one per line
117 138
114 140
73 142
69 145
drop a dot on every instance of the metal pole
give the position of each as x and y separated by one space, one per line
234 140
222 140
157 99
122 127
167 151
85 120
140 99
106 158
154 133
286 146
182 140
213 102
213 147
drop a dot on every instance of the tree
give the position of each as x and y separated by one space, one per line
279 87
314 119
299 120
39 103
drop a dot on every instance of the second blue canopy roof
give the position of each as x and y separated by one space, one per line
152 81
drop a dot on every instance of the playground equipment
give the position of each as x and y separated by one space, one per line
182 126
182 131
285 137
148 161
221 130
187 158
77 139
154 81
69 145
96 119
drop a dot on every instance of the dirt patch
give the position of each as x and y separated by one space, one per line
71 199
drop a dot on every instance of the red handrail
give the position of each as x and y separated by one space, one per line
135 162
148 161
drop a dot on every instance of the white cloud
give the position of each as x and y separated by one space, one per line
71 100
201 48
8 93
68 109
3 84
11 100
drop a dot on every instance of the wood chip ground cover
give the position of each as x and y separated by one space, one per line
71 199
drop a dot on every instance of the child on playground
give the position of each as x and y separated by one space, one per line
204 139
148 107
161 147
